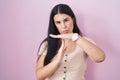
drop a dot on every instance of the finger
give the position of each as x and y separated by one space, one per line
63 42
54 36
62 46
63 36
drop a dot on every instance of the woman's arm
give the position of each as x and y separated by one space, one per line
93 51
42 71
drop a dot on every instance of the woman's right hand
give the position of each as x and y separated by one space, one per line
62 47
60 54
42 71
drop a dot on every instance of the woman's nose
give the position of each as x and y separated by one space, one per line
63 25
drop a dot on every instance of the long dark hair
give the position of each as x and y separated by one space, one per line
53 44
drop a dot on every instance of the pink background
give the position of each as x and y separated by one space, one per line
24 23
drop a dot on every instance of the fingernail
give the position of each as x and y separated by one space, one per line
50 34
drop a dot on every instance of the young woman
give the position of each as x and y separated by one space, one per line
63 54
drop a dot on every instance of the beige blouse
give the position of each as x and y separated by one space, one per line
73 65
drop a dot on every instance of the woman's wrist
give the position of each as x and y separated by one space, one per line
75 36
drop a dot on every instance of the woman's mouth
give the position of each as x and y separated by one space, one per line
65 31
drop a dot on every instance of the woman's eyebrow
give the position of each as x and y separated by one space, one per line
66 18
57 21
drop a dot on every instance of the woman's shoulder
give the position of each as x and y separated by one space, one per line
44 43
89 39
42 47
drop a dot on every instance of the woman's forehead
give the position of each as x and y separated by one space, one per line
61 16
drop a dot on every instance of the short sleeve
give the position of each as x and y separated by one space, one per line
89 39
43 49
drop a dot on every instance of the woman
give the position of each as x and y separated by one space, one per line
63 54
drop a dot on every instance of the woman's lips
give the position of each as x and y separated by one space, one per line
65 31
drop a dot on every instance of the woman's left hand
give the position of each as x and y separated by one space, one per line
62 36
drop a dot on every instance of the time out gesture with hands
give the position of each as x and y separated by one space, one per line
72 36
90 48
64 47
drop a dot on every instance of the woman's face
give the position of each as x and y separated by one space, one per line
64 23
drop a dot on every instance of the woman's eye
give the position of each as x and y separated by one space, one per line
58 22
65 20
